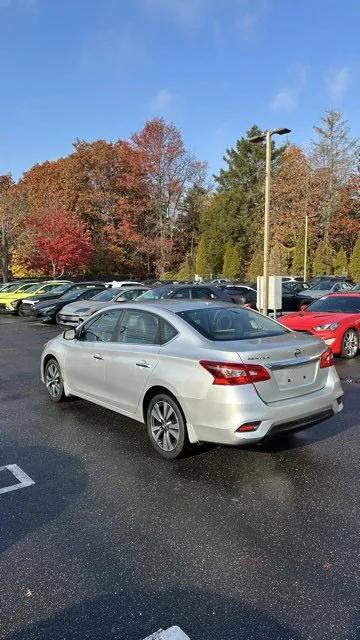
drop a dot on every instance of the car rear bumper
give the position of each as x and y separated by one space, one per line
223 418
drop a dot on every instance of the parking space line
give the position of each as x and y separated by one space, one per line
20 475
173 633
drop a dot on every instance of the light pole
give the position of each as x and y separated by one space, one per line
306 242
266 135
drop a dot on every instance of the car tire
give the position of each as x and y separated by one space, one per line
166 426
54 381
350 344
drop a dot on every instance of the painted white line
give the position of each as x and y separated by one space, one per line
173 633
20 475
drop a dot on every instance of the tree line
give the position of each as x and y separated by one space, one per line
145 207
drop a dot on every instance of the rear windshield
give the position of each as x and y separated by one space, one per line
336 304
216 323
156 294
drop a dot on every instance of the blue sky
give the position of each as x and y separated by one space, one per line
100 68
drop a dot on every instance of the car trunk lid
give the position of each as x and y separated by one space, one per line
293 361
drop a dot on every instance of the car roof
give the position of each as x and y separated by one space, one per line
343 294
175 306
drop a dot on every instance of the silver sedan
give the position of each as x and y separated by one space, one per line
195 371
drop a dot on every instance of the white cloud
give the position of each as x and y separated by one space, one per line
162 101
285 100
338 82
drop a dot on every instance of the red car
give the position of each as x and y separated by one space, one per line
335 318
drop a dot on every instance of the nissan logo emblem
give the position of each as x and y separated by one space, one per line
297 353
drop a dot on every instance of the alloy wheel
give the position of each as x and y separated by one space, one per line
351 343
164 425
53 380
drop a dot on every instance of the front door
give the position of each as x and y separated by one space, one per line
87 355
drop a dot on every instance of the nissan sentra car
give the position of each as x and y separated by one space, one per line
195 371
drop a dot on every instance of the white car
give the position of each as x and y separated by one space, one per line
195 371
123 283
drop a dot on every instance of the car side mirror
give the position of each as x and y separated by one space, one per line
69 334
303 307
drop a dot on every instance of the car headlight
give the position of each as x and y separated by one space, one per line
14 304
331 326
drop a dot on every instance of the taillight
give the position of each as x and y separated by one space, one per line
228 373
327 359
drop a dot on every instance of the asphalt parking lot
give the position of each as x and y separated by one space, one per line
112 542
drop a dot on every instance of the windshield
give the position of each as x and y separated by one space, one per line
216 323
60 288
33 287
106 295
72 295
336 304
156 294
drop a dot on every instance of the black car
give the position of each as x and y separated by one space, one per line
294 296
47 311
244 291
194 292
27 307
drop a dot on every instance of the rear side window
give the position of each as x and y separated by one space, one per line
216 323
167 332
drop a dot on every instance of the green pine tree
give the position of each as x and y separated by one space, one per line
256 265
201 265
232 261
340 263
355 262
297 267
227 258
323 260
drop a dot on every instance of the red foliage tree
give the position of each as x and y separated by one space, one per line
61 243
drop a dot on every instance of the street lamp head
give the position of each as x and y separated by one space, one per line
281 132
259 138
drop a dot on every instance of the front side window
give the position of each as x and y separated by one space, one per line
216 323
102 328
155 294
138 327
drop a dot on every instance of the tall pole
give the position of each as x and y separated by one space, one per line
306 247
265 304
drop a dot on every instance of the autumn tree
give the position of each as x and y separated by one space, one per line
279 259
61 243
170 169
354 266
335 155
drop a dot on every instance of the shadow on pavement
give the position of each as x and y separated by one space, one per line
202 615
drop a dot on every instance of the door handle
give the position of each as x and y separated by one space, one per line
97 357
143 364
